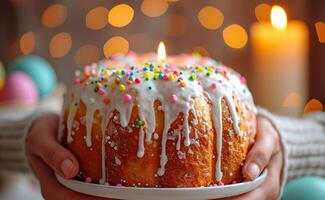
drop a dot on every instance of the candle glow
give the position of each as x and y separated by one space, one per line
278 17
161 52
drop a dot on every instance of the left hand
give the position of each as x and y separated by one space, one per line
265 153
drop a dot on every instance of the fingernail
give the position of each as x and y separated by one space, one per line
253 170
66 167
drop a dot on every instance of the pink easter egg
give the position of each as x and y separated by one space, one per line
19 88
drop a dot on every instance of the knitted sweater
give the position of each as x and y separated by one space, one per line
303 142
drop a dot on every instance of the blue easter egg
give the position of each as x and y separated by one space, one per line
39 70
305 188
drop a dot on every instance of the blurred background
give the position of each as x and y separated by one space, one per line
283 61
70 34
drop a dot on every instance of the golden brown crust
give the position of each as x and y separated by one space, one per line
191 166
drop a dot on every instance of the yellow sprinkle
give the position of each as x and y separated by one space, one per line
201 69
156 69
147 75
122 88
106 72
172 77
113 86
118 72
211 70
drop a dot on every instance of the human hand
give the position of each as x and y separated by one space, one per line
265 153
46 155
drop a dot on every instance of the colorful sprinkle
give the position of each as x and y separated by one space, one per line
219 183
173 98
122 88
182 84
106 100
137 80
213 85
88 180
101 91
127 98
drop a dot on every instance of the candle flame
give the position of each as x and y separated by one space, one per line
278 17
161 52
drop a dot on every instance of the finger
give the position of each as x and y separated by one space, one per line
270 188
46 146
261 152
50 188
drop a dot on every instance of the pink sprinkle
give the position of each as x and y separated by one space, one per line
88 180
213 85
76 81
234 182
127 98
101 92
173 98
243 80
165 77
219 183
127 74
119 184
176 72
137 80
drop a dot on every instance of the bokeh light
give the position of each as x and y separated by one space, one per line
320 28
86 55
235 36
154 8
60 45
116 45
27 43
201 50
263 12
96 18
54 15
313 105
292 100
210 17
177 25
120 15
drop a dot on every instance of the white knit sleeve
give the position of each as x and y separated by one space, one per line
15 122
303 142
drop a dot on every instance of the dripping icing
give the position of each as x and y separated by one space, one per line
160 90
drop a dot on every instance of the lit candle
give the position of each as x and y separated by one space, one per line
280 59
161 56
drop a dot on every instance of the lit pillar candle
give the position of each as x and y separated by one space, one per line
280 64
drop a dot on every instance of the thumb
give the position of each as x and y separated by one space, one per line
262 151
43 143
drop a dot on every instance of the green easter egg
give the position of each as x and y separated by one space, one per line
305 188
39 70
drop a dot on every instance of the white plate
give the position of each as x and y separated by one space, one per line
120 192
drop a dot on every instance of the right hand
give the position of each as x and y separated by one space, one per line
46 155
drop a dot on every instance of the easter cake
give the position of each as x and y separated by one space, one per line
133 121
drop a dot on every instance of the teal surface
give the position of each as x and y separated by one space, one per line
306 188
39 70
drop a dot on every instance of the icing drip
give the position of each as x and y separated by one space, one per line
89 124
141 143
187 141
104 123
175 90
71 116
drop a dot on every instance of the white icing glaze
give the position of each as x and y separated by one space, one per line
147 92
